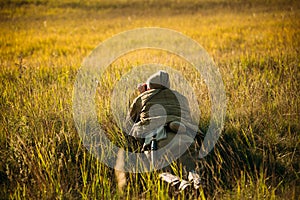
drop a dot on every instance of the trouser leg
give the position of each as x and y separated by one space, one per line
181 145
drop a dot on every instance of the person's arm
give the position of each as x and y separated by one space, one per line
133 114
135 108
134 144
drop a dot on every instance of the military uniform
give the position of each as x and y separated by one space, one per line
151 113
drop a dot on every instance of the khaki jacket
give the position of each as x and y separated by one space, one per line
155 108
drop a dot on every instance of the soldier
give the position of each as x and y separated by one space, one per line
159 114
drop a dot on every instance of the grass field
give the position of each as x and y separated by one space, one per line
255 44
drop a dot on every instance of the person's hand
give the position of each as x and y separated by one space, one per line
142 87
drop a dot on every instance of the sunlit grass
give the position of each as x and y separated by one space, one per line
255 45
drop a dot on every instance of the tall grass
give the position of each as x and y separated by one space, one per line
254 44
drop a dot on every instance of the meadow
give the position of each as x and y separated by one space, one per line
255 45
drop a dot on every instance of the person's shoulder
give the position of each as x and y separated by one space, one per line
137 99
176 92
179 95
149 92
145 94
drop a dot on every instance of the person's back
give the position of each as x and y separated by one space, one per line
164 114
156 107
171 103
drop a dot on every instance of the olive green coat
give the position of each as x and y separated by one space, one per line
155 108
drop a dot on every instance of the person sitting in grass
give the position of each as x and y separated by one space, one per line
161 113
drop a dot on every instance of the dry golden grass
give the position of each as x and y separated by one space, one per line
255 44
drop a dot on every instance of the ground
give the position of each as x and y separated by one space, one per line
255 45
